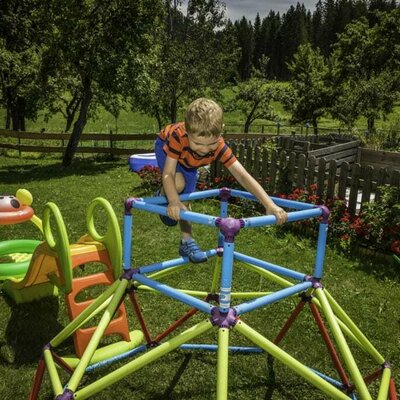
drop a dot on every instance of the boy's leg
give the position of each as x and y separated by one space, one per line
188 246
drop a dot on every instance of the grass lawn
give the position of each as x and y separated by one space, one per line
367 291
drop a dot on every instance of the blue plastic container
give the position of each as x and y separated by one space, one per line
138 161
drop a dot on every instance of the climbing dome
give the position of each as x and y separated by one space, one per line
226 311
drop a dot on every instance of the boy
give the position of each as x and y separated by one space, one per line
183 147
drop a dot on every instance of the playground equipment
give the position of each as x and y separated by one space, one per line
138 161
15 255
225 316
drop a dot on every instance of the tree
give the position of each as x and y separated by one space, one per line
100 44
196 56
293 32
245 40
253 97
366 69
309 95
20 56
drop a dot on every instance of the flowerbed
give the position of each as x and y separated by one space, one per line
377 226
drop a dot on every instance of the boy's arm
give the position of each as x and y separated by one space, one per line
168 181
252 186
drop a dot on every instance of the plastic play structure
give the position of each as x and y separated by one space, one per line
138 161
52 268
224 310
15 255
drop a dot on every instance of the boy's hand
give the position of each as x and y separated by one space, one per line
280 214
174 209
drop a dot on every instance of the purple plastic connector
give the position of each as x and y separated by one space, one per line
387 365
229 227
325 214
129 274
224 194
223 320
129 202
67 395
316 282
47 347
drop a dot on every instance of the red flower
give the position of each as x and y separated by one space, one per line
395 246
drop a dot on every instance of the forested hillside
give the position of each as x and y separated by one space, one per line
75 58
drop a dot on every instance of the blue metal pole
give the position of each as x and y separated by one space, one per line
292 216
270 267
271 298
321 246
214 347
223 212
114 359
183 197
127 241
186 215
175 294
296 205
170 263
226 276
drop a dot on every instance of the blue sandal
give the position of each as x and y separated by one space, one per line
189 248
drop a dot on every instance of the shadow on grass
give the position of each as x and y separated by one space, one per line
29 328
378 269
42 171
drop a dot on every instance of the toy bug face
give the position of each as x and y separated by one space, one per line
9 203
12 211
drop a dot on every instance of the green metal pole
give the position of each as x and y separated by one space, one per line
269 275
81 319
143 360
222 365
342 325
291 362
52 370
216 275
384 387
248 295
367 345
168 271
97 335
342 344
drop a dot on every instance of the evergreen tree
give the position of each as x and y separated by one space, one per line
259 49
245 40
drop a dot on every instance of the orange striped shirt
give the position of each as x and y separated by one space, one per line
177 146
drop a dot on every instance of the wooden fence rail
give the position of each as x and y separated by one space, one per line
101 143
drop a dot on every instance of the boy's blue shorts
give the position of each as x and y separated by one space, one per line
189 174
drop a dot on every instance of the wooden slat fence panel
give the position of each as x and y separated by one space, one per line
355 184
342 184
301 171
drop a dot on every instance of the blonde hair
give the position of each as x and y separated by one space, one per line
204 117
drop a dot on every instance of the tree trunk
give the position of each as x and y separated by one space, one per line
371 124
315 126
173 109
8 119
79 124
17 112
71 109
247 125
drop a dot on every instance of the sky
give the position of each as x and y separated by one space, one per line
236 9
